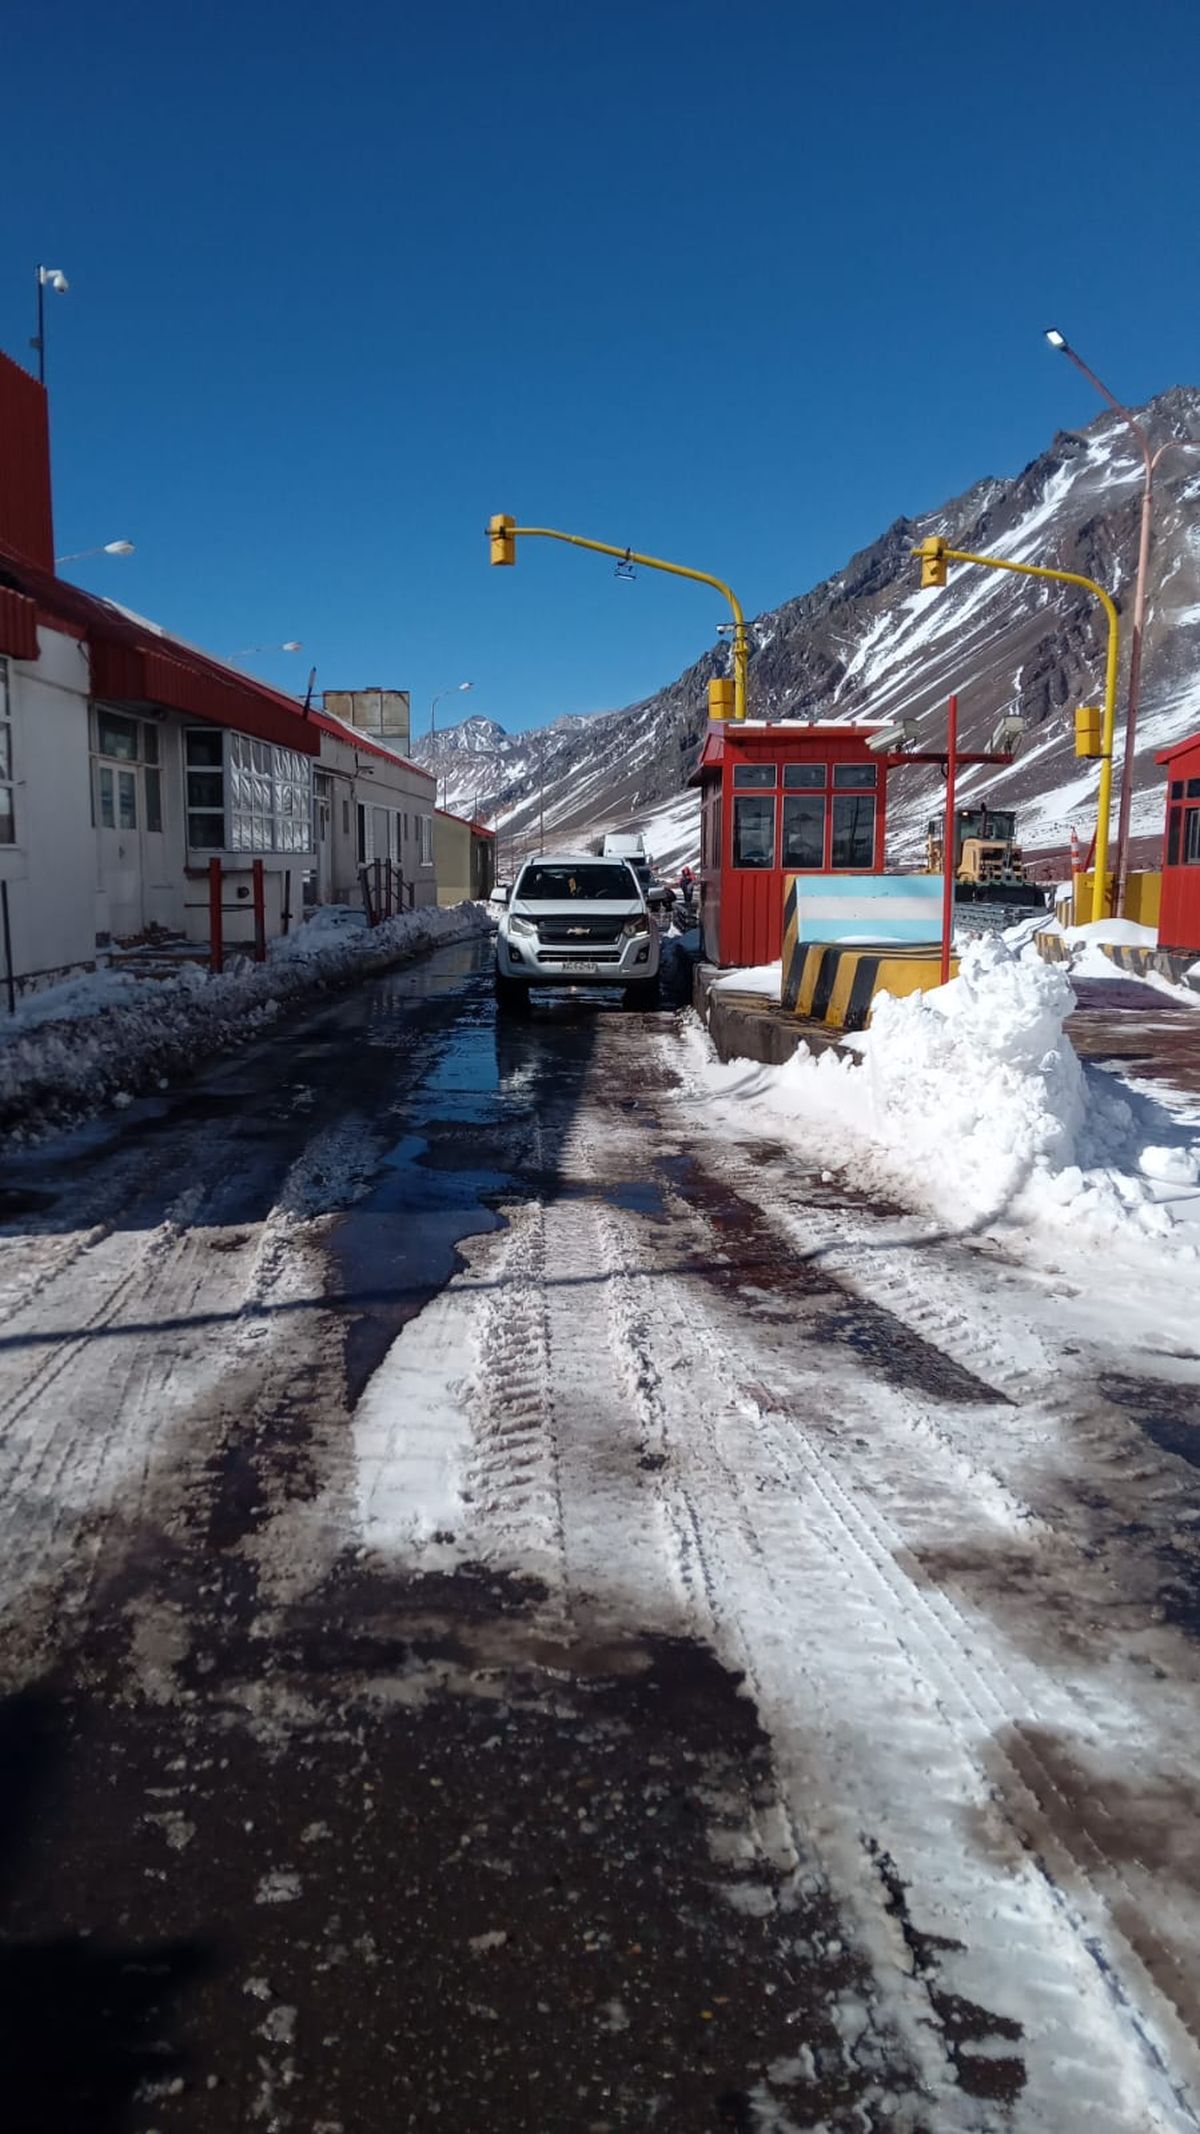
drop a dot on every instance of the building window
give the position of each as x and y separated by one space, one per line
861 775
425 826
398 821
804 830
360 843
245 795
853 830
753 777
754 830
1192 851
270 797
127 784
8 813
204 779
805 777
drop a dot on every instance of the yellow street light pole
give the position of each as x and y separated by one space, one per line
503 532
935 556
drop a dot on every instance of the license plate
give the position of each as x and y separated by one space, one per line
580 966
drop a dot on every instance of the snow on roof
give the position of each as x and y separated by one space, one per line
342 730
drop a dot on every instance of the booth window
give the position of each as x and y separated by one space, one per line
853 829
749 777
859 775
1192 849
804 829
805 777
754 830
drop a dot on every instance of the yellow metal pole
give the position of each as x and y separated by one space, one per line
1108 732
741 636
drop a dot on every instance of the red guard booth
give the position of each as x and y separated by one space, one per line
778 799
1179 915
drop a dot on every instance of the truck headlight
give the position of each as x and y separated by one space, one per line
521 926
638 925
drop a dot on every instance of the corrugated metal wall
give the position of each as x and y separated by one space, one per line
18 625
1179 911
26 524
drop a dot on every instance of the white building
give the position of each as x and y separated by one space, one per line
130 761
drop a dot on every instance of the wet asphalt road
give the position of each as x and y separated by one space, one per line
296 1836
254 1871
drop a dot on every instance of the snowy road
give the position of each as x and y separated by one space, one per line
523 1611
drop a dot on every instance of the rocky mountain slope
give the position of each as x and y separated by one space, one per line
868 644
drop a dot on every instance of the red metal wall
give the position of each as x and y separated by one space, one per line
1179 916
26 525
18 625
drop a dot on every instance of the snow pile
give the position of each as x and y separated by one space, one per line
98 1039
977 1104
977 1082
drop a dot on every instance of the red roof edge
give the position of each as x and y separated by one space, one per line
471 822
1178 748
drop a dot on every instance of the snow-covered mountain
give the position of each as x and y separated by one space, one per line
868 644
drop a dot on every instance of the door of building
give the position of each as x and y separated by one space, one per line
128 802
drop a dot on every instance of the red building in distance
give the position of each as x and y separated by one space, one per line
1179 913
778 799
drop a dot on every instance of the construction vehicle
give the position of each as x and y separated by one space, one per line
988 866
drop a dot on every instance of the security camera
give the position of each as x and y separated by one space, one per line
889 737
54 278
1008 735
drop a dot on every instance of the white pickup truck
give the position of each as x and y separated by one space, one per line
577 920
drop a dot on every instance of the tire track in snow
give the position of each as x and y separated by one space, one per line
1070 1945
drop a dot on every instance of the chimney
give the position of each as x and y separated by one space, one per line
26 526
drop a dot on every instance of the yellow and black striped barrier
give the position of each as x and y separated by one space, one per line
835 985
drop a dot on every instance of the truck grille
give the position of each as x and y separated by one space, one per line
582 935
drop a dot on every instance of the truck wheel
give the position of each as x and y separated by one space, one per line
643 996
512 998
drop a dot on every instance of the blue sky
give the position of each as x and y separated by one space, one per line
734 284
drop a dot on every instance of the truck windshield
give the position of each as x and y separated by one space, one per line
602 883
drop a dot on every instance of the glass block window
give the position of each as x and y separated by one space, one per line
270 797
245 795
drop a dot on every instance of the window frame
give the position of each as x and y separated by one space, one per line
853 800
744 803
425 828
267 808
124 747
795 802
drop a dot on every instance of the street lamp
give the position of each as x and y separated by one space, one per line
1150 460
47 278
292 644
455 691
110 548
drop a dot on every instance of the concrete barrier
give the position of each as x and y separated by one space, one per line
1175 964
835 985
